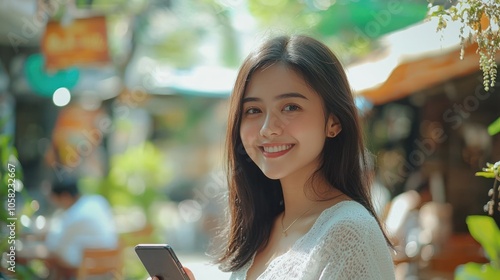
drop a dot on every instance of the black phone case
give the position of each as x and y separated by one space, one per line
161 261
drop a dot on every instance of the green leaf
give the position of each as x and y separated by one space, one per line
494 127
485 231
486 174
472 270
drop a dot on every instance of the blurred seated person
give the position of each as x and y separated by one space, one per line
82 221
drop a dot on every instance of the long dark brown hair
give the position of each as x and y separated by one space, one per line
254 199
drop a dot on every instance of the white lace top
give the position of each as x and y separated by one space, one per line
345 242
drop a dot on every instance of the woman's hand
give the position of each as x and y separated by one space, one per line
189 273
187 270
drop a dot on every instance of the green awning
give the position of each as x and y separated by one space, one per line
373 18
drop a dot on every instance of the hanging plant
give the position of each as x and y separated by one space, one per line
480 24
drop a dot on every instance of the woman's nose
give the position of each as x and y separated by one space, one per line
272 126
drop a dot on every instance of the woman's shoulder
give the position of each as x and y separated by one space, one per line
348 227
344 217
347 210
348 241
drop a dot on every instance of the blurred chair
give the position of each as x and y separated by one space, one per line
142 235
101 264
131 238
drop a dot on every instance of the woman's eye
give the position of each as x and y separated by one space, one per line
291 107
251 111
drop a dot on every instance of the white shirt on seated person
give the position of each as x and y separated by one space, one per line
88 223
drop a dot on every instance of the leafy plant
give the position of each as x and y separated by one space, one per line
11 197
484 228
494 127
136 178
480 24
485 231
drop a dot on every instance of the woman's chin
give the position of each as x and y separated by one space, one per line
272 175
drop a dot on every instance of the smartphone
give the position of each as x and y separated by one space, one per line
161 261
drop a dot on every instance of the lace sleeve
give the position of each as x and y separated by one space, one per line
355 249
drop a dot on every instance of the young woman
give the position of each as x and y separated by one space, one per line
297 171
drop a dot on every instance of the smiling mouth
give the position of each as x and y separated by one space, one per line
276 151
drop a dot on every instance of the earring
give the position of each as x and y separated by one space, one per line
331 134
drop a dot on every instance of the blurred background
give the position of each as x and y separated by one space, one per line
131 98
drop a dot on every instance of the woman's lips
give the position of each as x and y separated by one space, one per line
272 151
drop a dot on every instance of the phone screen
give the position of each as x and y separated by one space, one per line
161 261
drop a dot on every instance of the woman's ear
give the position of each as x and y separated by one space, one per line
333 126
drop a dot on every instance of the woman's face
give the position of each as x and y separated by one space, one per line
283 123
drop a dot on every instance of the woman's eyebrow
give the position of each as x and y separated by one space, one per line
291 95
250 99
281 96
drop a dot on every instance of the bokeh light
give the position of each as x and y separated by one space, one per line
61 97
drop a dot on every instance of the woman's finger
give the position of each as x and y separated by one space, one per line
187 270
189 273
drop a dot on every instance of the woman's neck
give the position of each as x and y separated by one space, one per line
301 193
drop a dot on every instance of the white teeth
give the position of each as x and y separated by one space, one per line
275 149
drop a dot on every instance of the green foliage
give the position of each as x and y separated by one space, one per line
479 271
485 231
113 5
281 14
479 23
6 151
174 49
490 171
11 175
494 127
338 18
135 178
351 26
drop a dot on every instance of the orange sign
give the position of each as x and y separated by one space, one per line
84 42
